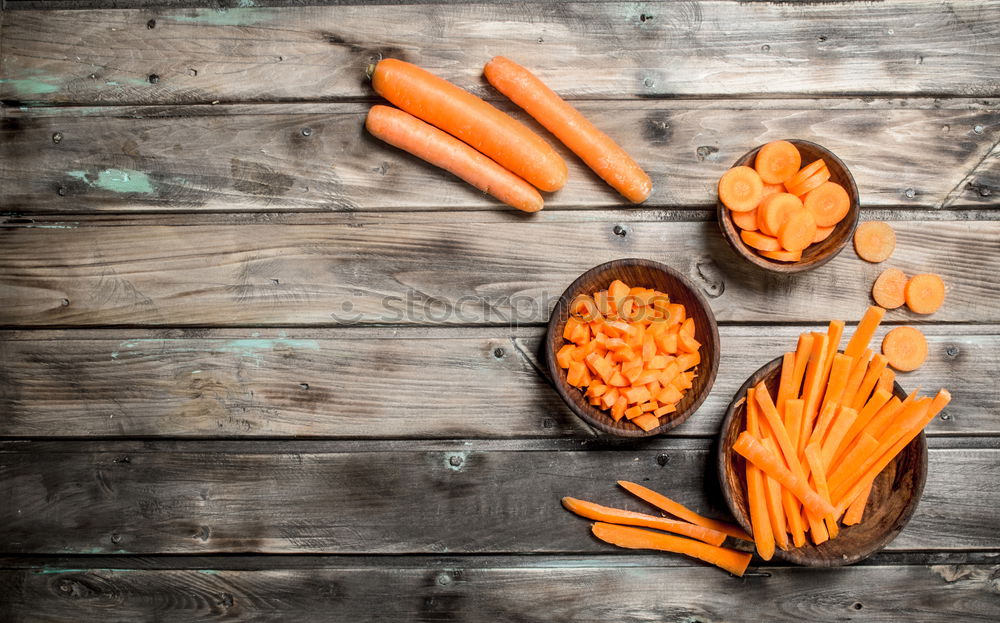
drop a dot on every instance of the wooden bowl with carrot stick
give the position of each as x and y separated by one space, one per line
656 340
835 208
890 504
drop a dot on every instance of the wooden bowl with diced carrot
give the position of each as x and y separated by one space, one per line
632 348
788 206
857 443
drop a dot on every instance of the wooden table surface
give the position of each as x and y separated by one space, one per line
256 365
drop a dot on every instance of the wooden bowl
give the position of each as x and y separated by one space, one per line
892 502
647 274
816 254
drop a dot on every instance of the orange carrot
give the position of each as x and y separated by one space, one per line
682 512
823 422
428 143
834 332
793 419
760 241
839 372
889 290
785 383
869 411
745 220
811 183
772 496
886 380
770 189
812 388
636 538
843 421
646 421
760 520
905 348
857 508
622 517
772 465
864 332
924 293
858 454
468 118
829 203
740 189
802 352
783 256
822 233
777 428
885 416
819 477
875 367
874 241
807 171
858 370
597 149
777 161
775 210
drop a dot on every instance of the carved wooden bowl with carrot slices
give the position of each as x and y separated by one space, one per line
788 206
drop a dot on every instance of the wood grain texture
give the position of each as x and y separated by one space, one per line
259 158
465 591
453 271
147 497
316 383
617 50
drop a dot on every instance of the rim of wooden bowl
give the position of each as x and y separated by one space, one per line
818 254
706 329
828 554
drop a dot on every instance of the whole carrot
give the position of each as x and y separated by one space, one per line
495 134
594 147
428 143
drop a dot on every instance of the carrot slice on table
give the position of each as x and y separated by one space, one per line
924 293
798 231
619 516
740 189
636 538
905 348
403 130
682 512
811 183
889 290
604 156
777 161
829 203
468 118
874 241
774 210
806 172
822 233
759 241
745 220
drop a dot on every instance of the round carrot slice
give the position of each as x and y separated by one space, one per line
740 189
924 293
760 241
783 256
777 161
829 203
905 348
745 220
822 233
888 289
810 183
774 210
874 241
806 172
798 230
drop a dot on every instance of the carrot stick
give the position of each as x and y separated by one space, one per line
802 353
857 508
785 384
772 494
604 156
875 368
793 418
858 454
811 390
682 512
760 521
881 421
839 372
866 329
874 406
793 514
772 465
636 538
842 422
468 118
887 380
822 423
426 142
767 408
860 367
622 517
819 477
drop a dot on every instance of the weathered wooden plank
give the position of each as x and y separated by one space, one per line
582 50
468 592
317 157
982 184
146 498
502 271
333 383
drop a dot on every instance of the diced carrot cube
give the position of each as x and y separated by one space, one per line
617 380
648 406
571 325
646 377
664 410
600 367
688 327
688 360
618 410
636 394
631 370
667 342
601 300
669 373
687 343
658 362
610 397
581 334
669 395
617 292
617 344
648 348
654 387
575 375
564 356
646 421
676 313
684 380
596 390
633 412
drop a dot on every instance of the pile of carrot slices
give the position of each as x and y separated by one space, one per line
780 208
700 538
632 350
813 450
453 129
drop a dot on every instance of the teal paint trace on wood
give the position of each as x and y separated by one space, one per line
49 571
243 15
253 349
117 180
29 86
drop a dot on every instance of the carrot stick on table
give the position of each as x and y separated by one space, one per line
682 512
604 156
636 538
607 514
760 520
468 118
426 142
771 464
